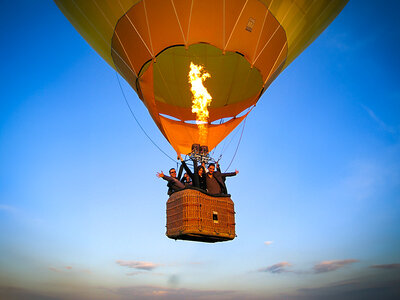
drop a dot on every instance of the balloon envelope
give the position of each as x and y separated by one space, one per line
243 44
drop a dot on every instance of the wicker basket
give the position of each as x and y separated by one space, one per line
197 216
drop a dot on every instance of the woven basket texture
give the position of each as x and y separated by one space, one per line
193 215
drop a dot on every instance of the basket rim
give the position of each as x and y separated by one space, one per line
202 191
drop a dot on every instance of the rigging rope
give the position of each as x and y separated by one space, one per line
237 147
137 121
227 143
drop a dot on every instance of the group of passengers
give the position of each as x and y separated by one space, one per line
211 181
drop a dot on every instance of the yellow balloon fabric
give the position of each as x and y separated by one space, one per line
243 44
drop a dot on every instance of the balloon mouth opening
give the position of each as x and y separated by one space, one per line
164 88
234 84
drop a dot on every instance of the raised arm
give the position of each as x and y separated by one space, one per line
180 172
230 174
163 176
185 166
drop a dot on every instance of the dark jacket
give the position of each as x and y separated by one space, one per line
174 185
187 182
220 177
202 181
197 181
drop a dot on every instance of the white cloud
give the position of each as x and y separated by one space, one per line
332 265
141 265
276 268
268 242
134 273
380 123
55 269
68 269
60 270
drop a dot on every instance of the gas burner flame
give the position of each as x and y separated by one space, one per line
201 99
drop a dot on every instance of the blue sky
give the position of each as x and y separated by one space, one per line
82 214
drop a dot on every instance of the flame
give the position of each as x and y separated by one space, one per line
201 99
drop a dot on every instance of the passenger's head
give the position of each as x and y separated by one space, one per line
211 168
186 175
201 171
172 172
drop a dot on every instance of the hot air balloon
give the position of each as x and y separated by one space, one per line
242 44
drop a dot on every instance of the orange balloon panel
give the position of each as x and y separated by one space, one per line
242 44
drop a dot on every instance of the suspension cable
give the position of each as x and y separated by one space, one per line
137 121
237 147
